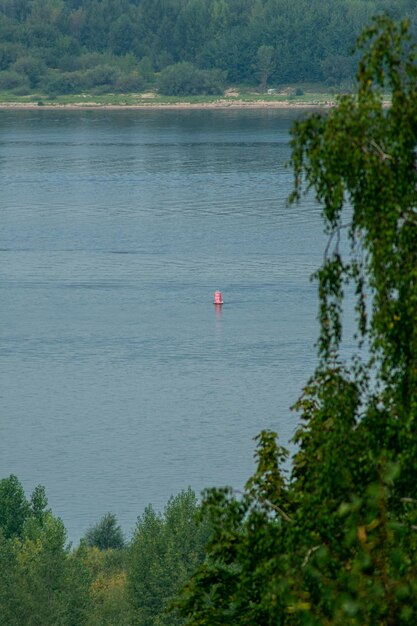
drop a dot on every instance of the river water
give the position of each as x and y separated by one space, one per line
121 384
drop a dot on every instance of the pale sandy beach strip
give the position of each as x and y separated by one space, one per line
219 104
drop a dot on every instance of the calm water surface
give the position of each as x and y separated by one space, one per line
120 382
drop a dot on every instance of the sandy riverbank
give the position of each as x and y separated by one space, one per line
218 104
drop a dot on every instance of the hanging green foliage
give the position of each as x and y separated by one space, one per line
337 542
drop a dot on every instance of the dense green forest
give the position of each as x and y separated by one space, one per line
180 46
106 580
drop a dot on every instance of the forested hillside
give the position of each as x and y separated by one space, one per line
180 46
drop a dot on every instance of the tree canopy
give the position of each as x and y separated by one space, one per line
165 551
105 580
336 542
106 534
71 46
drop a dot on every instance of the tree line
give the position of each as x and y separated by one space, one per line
106 580
180 46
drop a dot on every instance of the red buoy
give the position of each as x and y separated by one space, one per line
218 297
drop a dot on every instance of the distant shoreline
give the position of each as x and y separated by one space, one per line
234 105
